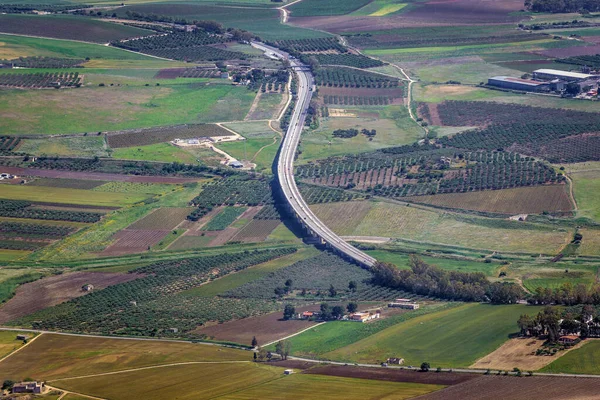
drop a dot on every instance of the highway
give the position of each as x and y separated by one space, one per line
285 165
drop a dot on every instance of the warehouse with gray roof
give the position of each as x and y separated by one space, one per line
526 85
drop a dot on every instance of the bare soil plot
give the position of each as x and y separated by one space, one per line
525 200
266 328
95 176
513 388
519 353
256 231
131 241
163 218
392 374
47 292
141 137
569 51
222 237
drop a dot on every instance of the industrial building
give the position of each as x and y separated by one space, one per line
551 74
526 85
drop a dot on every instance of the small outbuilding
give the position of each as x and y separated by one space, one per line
288 372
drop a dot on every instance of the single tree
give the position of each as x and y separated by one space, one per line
279 348
7 384
337 312
262 354
425 367
286 349
255 356
352 307
288 312
332 291
254 341
288 283
352 286
325 311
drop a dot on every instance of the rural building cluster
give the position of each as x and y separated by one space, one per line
582 85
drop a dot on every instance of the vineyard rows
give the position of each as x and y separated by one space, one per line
358 100
346 77
351 60
22 209
570 149
41 80
43 62
200 73
8 143
186 46
34 230
155 302
231 191
20 245
310 45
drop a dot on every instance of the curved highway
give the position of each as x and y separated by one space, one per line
285 165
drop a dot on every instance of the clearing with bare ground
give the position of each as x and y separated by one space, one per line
519 353
47 292
266 328
515 388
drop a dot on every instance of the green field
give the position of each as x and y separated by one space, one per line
20 46
93 109
8 342
163 152
55 356
469 332
88 146
11 279
69 196
9 255
314 8
322 340
224 218
586 186
260 21
401 260
252 129
260 151
584 360
392 123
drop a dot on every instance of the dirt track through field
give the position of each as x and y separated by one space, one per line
94 176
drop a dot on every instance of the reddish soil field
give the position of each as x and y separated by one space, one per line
570 51
340 91
95 176
47 292
256 231
514 388
266 328
169 73
431 13
222 237
393 374
131 241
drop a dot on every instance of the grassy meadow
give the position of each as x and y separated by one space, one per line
584 360
455 337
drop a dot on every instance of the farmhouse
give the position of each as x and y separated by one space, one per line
404 303
568 339
395 361
551 74
364 316
308 314
29 387
526 85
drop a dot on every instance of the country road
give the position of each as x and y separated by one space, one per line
285 164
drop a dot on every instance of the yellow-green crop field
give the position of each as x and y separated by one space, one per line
69 196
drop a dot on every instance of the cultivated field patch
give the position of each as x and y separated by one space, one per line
164 218
131 241
147 136
256 231
526 200
47 292
56 356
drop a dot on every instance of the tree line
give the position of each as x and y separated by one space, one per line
428 280
566 294
562 6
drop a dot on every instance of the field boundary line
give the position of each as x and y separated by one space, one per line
254 105
66 392
294 334
145 368
571 193
20 348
